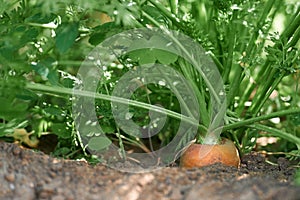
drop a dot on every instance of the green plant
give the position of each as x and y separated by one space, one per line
43 44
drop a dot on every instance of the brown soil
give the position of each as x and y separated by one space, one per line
26 174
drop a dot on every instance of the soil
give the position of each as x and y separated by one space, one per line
27 174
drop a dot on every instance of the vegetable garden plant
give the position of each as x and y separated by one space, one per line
253 44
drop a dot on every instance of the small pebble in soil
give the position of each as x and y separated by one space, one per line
10 177
16 151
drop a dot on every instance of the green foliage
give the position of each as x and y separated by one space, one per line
45 42
65 36
99 143
152 50
101 32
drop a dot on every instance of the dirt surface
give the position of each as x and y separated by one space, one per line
26 174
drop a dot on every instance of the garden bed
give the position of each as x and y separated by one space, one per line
26 174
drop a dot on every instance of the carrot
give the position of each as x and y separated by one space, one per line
199 155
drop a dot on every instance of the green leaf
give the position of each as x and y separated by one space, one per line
97 38
62 151
67 82
295 119
159 42
41 18
29 35
6 5
41 69
10 110
139 44
148 51
165 57
53 77
104 31
107 129
46 69
60 130
99 143
153 12
163 50
66 35
27 95
142 56
54 111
